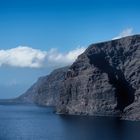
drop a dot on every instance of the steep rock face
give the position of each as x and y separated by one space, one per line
104 80
132 112
46 90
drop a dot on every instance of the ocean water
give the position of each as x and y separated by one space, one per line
22 122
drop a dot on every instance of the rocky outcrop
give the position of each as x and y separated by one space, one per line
104 80
46 90
132 112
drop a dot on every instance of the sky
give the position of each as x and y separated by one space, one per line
37 36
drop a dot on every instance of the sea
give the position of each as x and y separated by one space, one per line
31 122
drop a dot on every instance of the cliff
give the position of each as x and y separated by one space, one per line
104 80
46 90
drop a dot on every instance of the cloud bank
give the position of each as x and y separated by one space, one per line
24 56
124 33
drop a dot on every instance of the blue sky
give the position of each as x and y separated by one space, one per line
69 26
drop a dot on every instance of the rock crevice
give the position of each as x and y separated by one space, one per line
123 90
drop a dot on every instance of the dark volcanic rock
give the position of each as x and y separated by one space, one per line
104 80
46 90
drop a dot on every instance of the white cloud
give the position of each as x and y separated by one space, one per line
56 58
124 33
24 56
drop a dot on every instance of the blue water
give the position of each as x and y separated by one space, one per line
22 122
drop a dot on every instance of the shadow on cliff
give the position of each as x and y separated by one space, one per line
123 90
